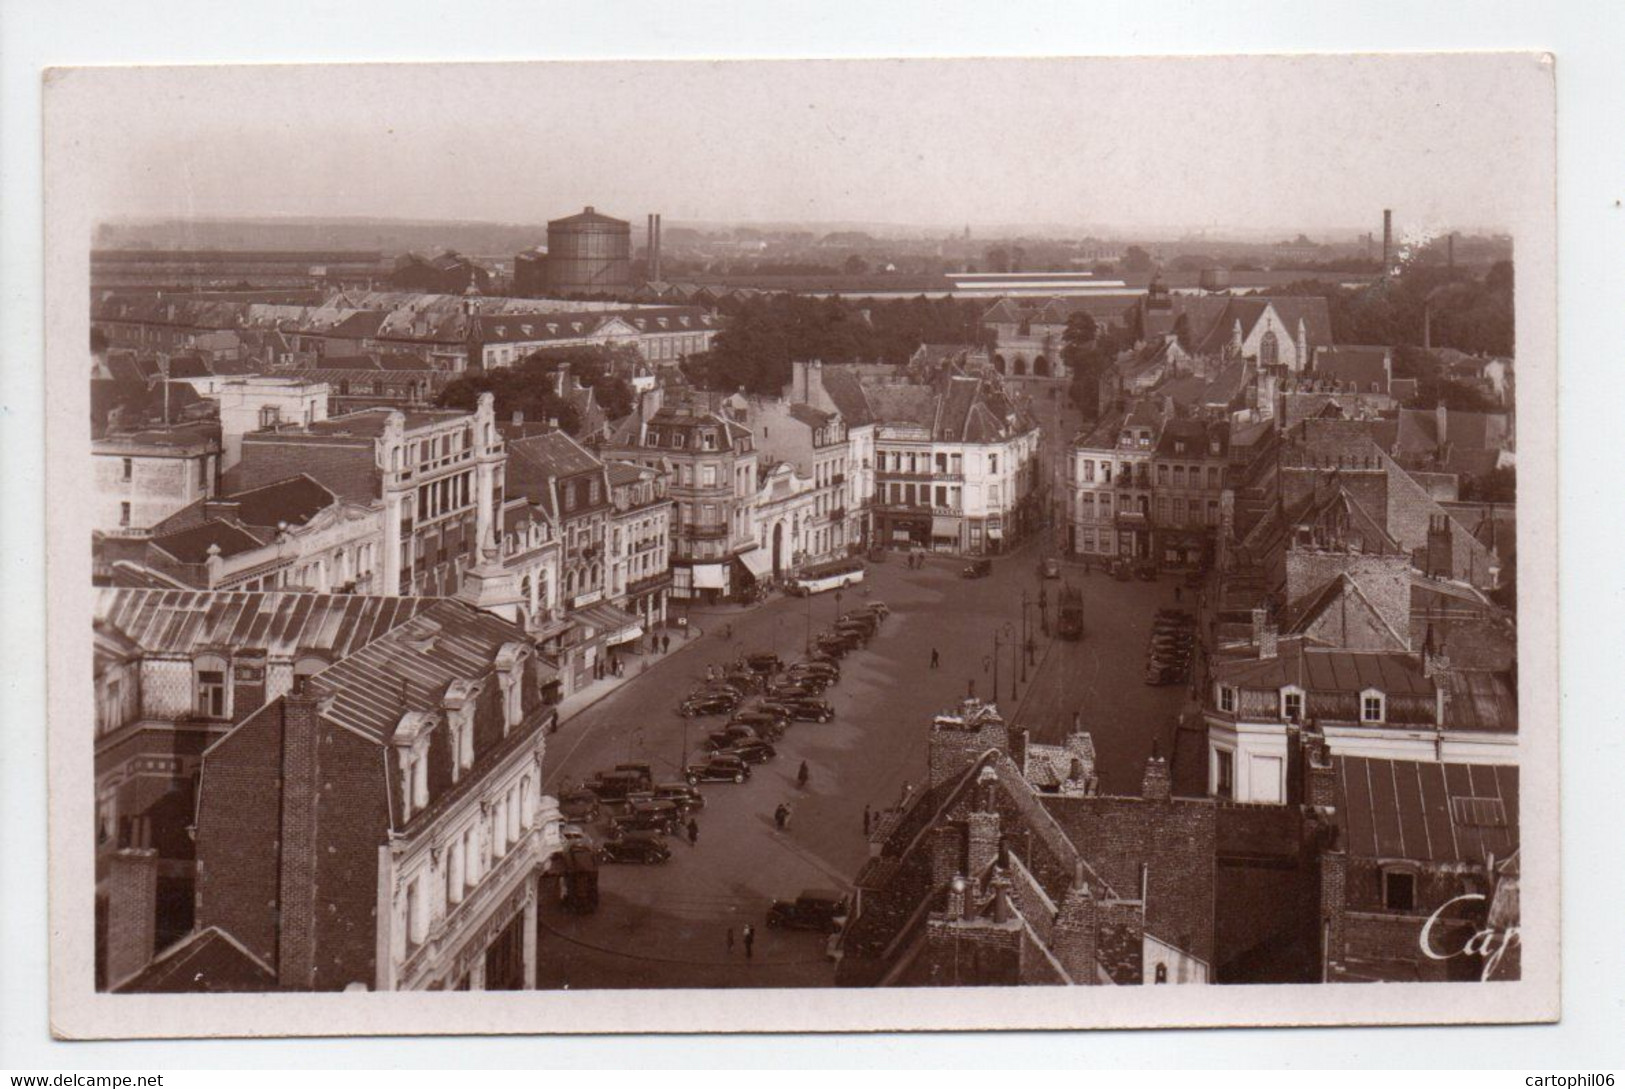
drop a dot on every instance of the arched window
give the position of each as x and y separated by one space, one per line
1269 350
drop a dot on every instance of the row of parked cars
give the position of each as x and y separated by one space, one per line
638 811
1168 654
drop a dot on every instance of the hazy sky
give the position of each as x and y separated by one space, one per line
1302 143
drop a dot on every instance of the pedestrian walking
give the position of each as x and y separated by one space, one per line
788 812
780 815
936 661
750 940
801 775
665 643
730 941
867 817
728 631
693 832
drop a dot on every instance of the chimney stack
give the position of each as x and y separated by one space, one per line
1076 930
1266 637
296 891
1158 784
132 912
1387 238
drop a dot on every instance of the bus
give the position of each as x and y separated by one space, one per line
835 575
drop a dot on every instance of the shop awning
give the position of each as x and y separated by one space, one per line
900 535
615 624
994 533
942 526
757 562
709 576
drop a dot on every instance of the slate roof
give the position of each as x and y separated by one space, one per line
1427 812
192 545
1322 669
187 622
205 961
1358 366
295 501
410 667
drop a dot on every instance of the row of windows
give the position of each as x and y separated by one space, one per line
465 861
1373 703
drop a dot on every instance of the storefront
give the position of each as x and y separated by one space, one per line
900 530
945 531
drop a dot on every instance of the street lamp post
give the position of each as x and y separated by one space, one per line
1026 638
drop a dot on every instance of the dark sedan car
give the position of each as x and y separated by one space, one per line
729 737
868 621
578 805
644 848
647 816
768 726
823 910
720 768
977 569
713 703
751 752
803 709
764 662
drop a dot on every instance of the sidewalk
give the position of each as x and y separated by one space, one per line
583 698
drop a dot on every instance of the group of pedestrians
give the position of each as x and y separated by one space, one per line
748 935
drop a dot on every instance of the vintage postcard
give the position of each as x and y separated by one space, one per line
802 545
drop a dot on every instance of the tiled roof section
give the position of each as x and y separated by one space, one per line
410 667
1334 601
1419 430
846 392
546 457
1358 366
810 416
186 622
294 501
192 545
207 961
1479 700
1318 669
1427 812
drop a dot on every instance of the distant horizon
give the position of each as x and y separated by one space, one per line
1119 148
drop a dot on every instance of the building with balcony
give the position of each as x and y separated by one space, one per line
436 475
383 827
784 511
1111 483
709 461
174 671
815 443
640 531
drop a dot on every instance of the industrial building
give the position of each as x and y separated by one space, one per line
589 254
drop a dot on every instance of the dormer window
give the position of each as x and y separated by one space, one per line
411 739
461 698
1227 699
1373 706
1292 703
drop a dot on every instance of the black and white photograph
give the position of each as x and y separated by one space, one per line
802 545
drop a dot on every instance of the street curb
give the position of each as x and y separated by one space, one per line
741 959
686 643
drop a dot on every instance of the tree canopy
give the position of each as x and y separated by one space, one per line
765 334
529 385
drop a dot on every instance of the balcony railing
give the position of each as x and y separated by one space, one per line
705 532
892 474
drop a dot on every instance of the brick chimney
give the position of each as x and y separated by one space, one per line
1158 784
982 848
1333 894
296 892
1266 637
947 853
1076 928
1320 778
1441 553
957 894
132 912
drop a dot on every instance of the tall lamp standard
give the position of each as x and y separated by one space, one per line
1026 638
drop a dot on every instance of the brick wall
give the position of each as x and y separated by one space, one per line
1120 941
352 820
132 893
239 833
296 941
980 953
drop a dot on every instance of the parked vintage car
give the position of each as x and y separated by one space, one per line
579 805
802 708
823 910
686 798
879 608
646 848
649 816
868 621
977 569
751 752
720 768
573 834
709 703
614 786
764 662
729 737
768 725
792 690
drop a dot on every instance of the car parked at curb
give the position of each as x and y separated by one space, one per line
803 709
712 703
645 848
751 752
821 910
720 768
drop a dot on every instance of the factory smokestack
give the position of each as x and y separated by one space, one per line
654 246
1387 239
1450 251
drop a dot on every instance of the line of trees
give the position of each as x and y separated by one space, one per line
764 335
529 385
